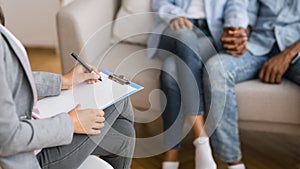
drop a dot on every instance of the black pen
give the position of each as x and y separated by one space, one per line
84 64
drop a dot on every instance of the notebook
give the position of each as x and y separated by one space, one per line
100 95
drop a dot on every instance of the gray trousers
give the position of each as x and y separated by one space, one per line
115 145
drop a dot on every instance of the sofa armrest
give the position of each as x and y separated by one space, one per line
84 27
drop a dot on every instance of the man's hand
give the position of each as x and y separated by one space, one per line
78 75
234 41
87 121
180 23
274 69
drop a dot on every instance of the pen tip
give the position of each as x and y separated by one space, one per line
100 79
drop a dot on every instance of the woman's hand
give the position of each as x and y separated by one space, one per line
180 23
87 121
78 75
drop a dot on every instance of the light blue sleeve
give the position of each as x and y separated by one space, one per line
167 10
235 13
253 8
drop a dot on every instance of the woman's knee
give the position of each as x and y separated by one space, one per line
124 108
185 36
169 72
125 133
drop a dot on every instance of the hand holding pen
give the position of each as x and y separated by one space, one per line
80 74
86 66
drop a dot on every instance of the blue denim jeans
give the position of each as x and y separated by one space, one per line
181 76
223 72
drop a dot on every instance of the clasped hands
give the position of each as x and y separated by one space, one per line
235 43
85 121
234 39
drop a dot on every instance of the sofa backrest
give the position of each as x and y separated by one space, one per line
133 22
77 24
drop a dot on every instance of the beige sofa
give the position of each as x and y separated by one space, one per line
86 27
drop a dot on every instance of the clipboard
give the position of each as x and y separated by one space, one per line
101 95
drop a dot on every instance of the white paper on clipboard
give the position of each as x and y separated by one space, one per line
100 95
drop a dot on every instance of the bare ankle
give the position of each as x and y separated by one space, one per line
171 155
235 163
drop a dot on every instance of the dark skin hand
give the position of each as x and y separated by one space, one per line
234 41
274 69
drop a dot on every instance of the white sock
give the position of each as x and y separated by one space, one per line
237 166
203 155
170 165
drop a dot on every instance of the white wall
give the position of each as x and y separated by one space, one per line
32 21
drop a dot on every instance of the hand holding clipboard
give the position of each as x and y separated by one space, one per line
111 90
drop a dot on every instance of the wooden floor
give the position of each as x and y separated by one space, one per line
260 150
44 60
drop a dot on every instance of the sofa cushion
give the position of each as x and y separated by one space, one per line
133 22
258 101
131 61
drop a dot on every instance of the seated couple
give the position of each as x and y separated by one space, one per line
253 39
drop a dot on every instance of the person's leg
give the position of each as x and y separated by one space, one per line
117 146
172 116
192 48
173 53
187 70
223 72
293 73
206 50
203 153
187 67
72 155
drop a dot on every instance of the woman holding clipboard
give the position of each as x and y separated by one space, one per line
65 140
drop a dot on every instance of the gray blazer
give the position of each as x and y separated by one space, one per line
19 134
